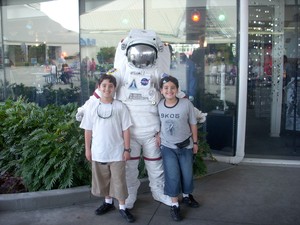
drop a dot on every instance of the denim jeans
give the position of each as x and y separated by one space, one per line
178 170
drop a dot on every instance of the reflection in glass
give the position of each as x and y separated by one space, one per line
37 43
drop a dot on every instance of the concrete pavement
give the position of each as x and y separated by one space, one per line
244 194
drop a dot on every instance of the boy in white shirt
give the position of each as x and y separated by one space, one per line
107 145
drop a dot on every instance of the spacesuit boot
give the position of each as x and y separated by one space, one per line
156 179
162 198
132 195
133 183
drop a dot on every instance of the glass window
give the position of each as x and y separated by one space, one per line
202 38
2 84
40 48
103 24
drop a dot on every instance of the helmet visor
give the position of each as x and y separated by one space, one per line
141 56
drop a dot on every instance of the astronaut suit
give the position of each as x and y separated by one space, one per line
141 60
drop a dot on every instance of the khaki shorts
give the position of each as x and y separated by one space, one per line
109 180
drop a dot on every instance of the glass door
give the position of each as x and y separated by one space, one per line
273 120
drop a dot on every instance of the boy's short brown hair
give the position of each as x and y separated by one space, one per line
111 79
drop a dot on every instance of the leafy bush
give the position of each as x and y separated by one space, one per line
45 146
199 166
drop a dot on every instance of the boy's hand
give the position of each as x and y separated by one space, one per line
157 139
126 155
195 149
88 155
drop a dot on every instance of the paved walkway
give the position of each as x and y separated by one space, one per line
229 195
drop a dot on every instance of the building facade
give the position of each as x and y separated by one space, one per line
237 60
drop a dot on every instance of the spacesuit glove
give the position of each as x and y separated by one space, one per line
200 116
79 114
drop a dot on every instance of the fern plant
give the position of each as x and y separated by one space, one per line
18 120
58 159
199 166
45 146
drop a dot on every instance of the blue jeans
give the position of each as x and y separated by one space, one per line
178 170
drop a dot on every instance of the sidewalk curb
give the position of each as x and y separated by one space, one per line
53 198
64 197
44 199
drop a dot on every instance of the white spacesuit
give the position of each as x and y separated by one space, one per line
141 60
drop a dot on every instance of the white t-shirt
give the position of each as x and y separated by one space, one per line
107 134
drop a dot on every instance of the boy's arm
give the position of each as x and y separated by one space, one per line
194 130
126 136
88 141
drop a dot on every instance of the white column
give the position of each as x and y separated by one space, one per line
277 70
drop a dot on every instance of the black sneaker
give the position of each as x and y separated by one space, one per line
190 201
127 215
175 213
104 208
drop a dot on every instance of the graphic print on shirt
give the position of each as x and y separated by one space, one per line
170 127
170 122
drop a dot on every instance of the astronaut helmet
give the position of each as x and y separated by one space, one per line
142 47
141 55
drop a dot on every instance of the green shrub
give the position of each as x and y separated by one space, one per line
199 166
45 146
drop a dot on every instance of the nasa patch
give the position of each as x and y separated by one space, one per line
144 81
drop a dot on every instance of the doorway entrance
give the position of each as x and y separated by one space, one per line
273 97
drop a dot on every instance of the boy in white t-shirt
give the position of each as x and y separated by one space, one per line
107 145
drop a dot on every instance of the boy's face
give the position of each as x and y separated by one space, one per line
169 90
107 89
